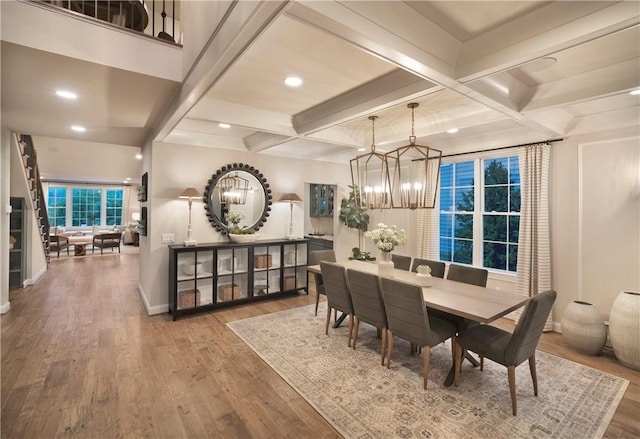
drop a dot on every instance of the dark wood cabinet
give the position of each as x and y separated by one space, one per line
322 199
209 276
17 244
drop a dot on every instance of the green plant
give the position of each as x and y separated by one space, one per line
352 216
233 219
361 256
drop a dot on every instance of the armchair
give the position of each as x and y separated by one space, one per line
57 243
106 240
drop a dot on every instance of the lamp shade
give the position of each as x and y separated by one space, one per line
291 197
189 193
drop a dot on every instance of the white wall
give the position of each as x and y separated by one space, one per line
5 179
176 167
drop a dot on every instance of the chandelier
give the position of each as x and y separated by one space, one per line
413 173
233 189
370 178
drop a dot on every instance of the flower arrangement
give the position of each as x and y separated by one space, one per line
233 219
386 238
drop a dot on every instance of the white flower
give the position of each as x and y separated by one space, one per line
386 238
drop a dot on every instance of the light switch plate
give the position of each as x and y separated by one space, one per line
168 238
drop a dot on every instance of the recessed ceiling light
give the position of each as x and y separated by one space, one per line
293 81
452 130
128 178
66 94
635 92
362 149
78 128
538 64
224 125
139 156
125 181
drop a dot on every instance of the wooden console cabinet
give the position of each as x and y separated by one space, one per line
210 276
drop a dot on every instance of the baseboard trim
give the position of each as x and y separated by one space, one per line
36 278
151 310
5 308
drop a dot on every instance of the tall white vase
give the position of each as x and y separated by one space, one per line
385 265
583 328
624 328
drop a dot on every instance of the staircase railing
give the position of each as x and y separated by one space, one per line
129 14
30 163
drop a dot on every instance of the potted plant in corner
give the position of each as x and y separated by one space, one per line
237 233
355 217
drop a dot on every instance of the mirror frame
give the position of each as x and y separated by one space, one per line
211 186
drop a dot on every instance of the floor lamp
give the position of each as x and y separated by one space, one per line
189 193
291 198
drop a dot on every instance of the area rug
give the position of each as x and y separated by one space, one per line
365 400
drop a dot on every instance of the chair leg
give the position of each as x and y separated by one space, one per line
481 364
356 325
384 344
350 329
326 328
426 358
317 301
534 376
511 371
389 347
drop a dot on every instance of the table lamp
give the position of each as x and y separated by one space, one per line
291 198
189 193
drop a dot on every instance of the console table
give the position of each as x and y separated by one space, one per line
219 274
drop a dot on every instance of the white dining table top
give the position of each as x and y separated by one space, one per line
476 303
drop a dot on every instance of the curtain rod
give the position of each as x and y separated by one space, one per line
503 147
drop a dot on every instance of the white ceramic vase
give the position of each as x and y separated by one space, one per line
583 328
385 265
624 328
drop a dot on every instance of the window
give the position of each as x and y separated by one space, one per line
57 206
479 223
84 207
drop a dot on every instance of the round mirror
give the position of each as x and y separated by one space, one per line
241 189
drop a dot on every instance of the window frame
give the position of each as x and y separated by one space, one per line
103 204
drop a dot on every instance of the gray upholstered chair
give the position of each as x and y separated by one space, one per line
401 262
337 291
408 319
509 349
437 268
57 243
468 275
315 257
106 240
368 306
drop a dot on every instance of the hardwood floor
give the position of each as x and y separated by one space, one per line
80 358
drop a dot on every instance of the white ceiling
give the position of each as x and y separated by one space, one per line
459 60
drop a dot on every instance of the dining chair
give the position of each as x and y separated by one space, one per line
315 257
408 319
468 275
336 288
401 262
437 268
368 306
509 349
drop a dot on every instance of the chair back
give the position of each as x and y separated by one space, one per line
529 328
401 262
437 268
366 297
406 313
468 275
336 287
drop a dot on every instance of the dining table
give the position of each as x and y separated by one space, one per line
480 304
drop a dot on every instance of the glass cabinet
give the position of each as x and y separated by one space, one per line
209 276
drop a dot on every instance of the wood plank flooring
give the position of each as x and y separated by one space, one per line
82 359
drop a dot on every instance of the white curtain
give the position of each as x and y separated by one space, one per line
428 220
534 253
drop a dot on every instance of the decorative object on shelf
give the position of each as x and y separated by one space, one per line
188 299
413 172
386 238
229 292
142 189
192 268
370 177
624 328
245 237
423 275
583 327
262 261
258 197
232 189
290 198
189 194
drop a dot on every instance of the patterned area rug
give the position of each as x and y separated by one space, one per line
363 399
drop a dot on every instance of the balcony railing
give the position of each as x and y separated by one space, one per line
156 18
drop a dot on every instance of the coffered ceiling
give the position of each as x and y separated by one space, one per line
478 66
